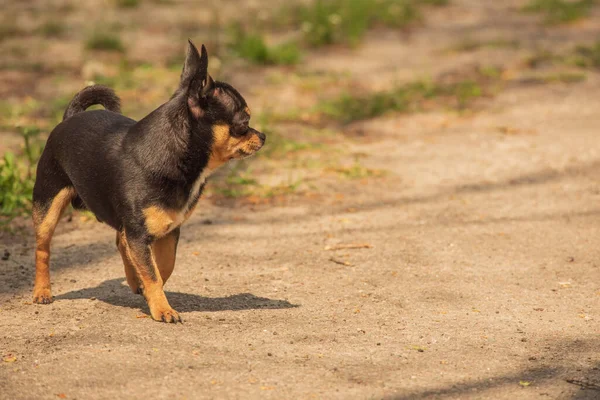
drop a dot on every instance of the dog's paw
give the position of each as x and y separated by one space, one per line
42 296
166 315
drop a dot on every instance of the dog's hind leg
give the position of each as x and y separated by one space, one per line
51 195
164 250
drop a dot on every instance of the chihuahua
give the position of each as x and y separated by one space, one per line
143 178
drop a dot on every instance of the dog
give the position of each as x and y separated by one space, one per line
142 178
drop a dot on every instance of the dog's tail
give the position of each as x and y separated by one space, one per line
95 94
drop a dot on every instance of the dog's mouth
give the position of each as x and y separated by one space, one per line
241 153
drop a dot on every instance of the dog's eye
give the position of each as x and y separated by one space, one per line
241 131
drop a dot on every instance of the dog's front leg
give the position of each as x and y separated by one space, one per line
139 253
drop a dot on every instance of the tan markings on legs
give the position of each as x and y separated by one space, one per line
44 224
164 250
132 278
152 283
160 221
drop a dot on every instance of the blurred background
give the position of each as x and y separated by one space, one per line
423 222
325 79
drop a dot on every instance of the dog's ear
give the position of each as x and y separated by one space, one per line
195 78
195 66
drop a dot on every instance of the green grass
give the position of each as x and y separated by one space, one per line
52 29
583 56
128 3
237 184
278 146
357 171
322 23
406 98
240 186
560 11
435 2
253 47
588 56
17 175
9 29
560 77
327 22
541 58
105 41
474 45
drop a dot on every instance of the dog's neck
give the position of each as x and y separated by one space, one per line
181 144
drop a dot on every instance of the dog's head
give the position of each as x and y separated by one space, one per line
220 106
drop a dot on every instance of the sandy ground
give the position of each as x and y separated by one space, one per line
482 280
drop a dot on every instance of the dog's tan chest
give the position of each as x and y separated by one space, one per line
160 221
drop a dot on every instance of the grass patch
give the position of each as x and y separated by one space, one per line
357 171
474 45
17 175
9 29
239 184
582 56
325 22
52 29
128 3
105 41
560 11
406 98
278 146
560 77
588 56
541 58
346 21
253 47
436 3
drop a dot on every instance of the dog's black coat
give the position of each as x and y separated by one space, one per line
118 168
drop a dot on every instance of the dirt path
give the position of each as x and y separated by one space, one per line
482 282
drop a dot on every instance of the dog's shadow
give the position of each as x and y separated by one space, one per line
114 292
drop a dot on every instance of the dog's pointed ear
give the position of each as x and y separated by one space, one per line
195 79
195 66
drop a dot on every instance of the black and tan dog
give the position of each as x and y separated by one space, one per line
142 178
